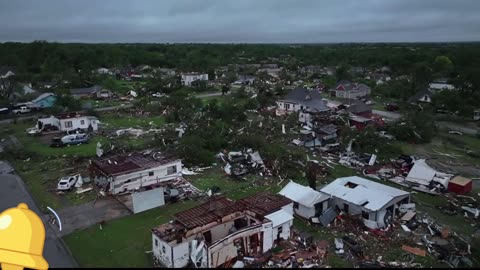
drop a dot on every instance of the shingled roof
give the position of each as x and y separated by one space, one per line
420 94
310 99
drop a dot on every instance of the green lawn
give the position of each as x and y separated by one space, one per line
114 120
104 103
122 242
41 146
41 178
234 189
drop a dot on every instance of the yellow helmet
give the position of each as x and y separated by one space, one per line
22 236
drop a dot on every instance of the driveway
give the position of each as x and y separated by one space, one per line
13 192
83 216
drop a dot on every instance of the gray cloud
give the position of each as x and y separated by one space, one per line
252 21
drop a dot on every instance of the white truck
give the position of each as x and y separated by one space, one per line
22 109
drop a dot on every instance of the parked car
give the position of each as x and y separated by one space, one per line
69 140
22 109
67 182
158 94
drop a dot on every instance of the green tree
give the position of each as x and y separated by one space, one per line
442 65
192 150
342 73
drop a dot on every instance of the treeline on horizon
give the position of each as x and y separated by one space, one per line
41 57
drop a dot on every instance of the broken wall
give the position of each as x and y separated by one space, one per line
220 231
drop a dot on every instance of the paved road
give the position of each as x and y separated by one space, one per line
104 109
83 216
214 94
458 127
13 192
35 116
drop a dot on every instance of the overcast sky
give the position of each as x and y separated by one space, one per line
239 21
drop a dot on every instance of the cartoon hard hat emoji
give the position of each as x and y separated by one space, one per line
22 236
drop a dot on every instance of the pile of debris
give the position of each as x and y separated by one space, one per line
301 251
238 163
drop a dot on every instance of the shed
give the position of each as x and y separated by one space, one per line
460 185
308 202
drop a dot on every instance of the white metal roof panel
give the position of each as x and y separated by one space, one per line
371 195
280 217
303 195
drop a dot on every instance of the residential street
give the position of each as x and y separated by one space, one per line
13 192
458 127
104 109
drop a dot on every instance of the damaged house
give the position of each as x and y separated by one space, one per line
307 201
349 90
308 103
424 175
240 163
376 203
68 122
215 233
130 172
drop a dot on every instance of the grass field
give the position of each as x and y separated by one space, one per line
122 242
104 103
120 120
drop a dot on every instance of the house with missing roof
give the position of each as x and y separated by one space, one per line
377 204
95 91
349 90
307 201
307 103
218 231
123 173
188 78
70 121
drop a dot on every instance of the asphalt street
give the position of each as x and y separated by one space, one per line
13 192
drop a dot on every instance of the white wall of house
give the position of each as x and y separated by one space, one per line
304 211
134 180
425 98
176 256
304 117
288 208
284 230
187 79
375 218
79 122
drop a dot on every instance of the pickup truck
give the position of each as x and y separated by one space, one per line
22 109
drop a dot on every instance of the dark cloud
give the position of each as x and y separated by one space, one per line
228 21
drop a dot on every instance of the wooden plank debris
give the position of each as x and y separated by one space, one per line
416 251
